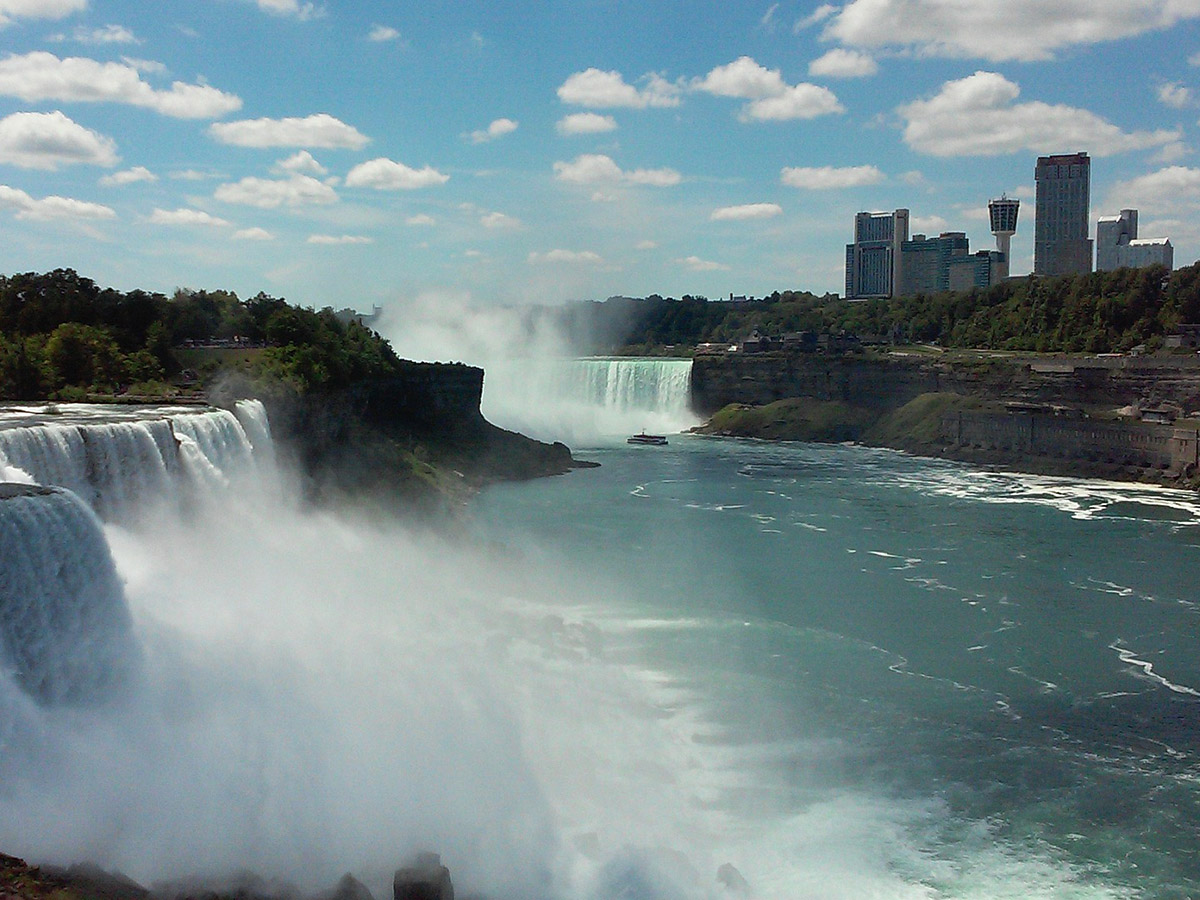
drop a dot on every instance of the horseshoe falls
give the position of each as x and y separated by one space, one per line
586 402
716 669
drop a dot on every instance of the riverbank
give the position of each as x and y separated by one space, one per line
990 421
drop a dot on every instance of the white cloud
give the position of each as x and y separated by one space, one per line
388 175
647 245
771 98
565 256
1194 59
294 8
300 163
596 168
193 175
319 130
266 193
742 78
50 140
599 89
128 176
498 128
828 178
109 34
10 10
40 76
842 63
929 224
253 234
978 116
585 123
381 33
746 211
818 15
1174 95
499 220
696 264
804 101
149 66
1171 190
1171 153
338 239
1000 30
52 208
420 219
187 217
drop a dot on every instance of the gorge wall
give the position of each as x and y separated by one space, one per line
1053 415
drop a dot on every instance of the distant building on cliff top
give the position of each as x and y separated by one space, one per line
873 261
946 263
1118 245
1002 216
1061 245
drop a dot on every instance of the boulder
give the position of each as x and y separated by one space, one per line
423 879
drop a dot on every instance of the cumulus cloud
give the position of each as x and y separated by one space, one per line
818 15
746 211
565 256
999 30
600 90
842 63
382 33
696 264
420 219
319 130
41 76
388 175
301 163
50 140
187 217
267 193
1174 189
771 97
585 123
11 10
52 208
647 245
337 239
253 234
979 116
827 178
128 176
499 220
1174 95
596 168
498 128
932 224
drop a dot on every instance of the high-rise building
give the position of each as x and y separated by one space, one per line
925 262
1003 215
873 261
1060 229
1118 245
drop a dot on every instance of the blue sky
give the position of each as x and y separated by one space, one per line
353 153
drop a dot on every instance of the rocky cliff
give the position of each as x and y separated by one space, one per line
417 438
1053 415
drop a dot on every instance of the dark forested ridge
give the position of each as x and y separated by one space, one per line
1102 312
64 337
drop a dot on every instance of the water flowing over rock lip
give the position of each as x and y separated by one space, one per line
24 415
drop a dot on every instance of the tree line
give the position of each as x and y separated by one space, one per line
1100 312
64 337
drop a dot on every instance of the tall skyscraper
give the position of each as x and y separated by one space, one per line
1060 229
1003 216
873 260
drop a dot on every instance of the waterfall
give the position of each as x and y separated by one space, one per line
65 630
119 467
589 401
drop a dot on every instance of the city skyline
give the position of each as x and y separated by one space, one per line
559 153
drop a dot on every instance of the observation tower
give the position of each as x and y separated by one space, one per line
1003 215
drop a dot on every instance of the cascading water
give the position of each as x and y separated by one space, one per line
65 631
586 402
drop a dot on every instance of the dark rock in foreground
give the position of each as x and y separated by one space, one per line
425 879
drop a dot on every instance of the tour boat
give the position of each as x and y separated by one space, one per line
644 438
